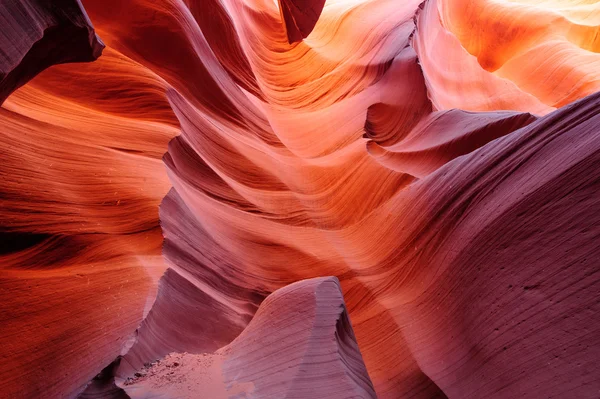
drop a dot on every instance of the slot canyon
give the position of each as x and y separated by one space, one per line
300 199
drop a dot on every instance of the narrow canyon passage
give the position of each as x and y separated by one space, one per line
300 198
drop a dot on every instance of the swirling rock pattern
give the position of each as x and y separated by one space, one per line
438 157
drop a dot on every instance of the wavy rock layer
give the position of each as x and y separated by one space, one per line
80 243
426 154
292 193
301 330
501 259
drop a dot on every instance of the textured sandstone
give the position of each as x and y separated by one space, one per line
439 158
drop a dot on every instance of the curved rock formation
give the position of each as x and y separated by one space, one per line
300 17
37 34
299 344
495 286
442 136
439 158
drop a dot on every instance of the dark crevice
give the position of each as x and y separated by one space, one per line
12 242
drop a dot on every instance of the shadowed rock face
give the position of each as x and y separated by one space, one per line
103 385
509 292
439 158
300 17
37 34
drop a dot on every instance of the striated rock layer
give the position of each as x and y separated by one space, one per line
439 158
81 181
